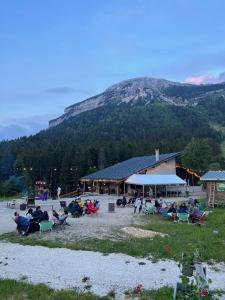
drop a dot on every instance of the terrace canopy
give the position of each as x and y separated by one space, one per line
152 179
155 180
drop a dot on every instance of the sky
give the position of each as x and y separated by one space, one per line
54 53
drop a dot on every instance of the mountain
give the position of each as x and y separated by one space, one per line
146 91
129 119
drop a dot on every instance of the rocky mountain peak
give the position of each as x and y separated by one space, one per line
145 90
141 83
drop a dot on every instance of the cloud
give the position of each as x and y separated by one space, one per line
60 90
67 90
14 128
206 79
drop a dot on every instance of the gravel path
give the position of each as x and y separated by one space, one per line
65 269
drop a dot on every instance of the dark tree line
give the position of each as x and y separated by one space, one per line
102 137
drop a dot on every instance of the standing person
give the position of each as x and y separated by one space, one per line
137 204
124 201
58 192
140 206
45 193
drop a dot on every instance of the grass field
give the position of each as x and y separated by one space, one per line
14 290
209 239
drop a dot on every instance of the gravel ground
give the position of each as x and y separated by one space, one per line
102 225
65 269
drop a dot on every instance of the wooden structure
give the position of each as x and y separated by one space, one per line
215 188
111 180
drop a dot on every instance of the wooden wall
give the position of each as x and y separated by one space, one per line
219 196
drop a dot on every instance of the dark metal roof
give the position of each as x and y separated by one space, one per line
128 167
213 175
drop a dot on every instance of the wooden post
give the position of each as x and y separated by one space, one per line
166 191
143 191
155 193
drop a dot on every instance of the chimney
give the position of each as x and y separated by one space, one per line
156 155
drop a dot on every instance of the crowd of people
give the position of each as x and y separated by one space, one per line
79 208
163 208
191 207
30 222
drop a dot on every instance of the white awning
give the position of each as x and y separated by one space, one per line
152 179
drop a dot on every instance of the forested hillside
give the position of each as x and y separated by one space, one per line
106 135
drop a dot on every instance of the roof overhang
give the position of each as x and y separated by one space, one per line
212 179
152 179
103 180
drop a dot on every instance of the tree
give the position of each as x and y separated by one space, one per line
101 158
196 155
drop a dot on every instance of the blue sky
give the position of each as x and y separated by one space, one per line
54 53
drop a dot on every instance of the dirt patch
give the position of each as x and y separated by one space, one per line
141 233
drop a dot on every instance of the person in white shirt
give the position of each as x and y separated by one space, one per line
137 205
58 192
29 214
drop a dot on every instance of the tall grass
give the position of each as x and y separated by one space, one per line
13 290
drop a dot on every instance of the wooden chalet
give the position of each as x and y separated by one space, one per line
116 179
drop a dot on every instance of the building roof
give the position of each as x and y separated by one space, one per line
214 176
129 167
154 179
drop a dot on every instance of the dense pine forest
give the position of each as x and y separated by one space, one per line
95 139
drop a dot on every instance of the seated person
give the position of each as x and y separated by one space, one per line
183 209
172 211
44 217
22 223
131 201
149 204
161 201
33 226
119 202
192 201
148 200
55 217
76 210
157 206
37 214
90 208
55 214
63 217
29 214
80 203
195 213
85 207
96 204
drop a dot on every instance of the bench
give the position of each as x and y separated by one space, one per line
45 226
11 204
